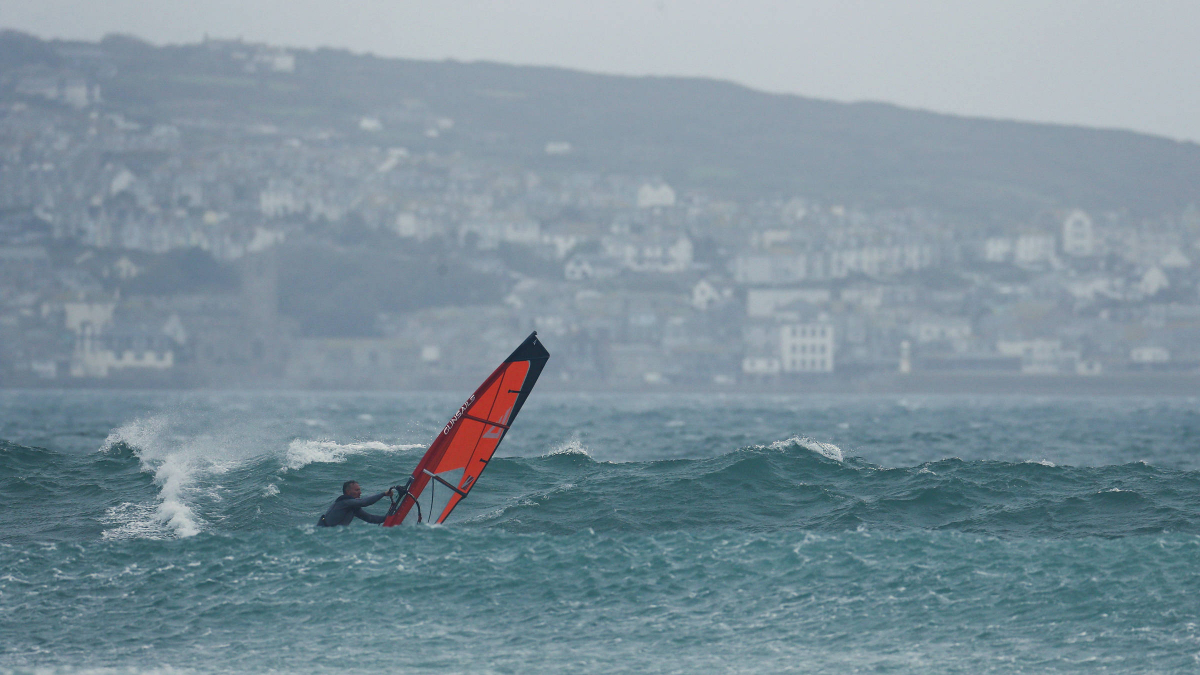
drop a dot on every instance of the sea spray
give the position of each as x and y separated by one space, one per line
828 450
301 453
710 547
174 462
183 462
573 446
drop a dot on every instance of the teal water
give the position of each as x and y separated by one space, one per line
174 533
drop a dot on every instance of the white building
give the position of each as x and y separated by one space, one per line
1175 259
651 196
763 303
650 254
785 268
273 60
92 360
765 240
868 298
73 91
1088 288
705 295
581 267
279 199
518 231
1034 249
806 348
941 329
761 366
408 225
1040 356
1153 281
1078 235
88 316
769 268
1149 355
878 261
998 249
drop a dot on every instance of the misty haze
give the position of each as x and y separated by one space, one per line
227 214
319 360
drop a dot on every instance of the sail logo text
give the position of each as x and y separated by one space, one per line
457 415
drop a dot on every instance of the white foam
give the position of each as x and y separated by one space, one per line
136 434
184 464
571 447
134 521
174 465
178 461
1043 462
301 453
828 450
126 670
271 490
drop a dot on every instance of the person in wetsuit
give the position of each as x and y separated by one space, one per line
350 506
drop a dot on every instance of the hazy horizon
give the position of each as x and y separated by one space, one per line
674 233
1076 63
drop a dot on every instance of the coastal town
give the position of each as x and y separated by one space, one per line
203 251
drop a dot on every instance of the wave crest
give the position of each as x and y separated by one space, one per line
301 453
827 450
174 464
571 447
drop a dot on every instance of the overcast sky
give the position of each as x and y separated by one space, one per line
1108 63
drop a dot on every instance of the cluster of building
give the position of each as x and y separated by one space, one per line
632 282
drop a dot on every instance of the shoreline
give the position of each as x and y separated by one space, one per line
1125 384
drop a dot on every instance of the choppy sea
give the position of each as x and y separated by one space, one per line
174 532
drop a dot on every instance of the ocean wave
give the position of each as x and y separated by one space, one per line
828 450
571 447
130 520
199 483
183 462
301 453
175 466
14 456
137 435
27 470
792 485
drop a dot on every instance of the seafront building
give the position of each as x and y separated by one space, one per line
199 251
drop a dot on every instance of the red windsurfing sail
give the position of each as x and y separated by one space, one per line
463 448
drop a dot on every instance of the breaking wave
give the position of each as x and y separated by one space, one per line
175 463
161 483
301 453
828 450
571 447
187 469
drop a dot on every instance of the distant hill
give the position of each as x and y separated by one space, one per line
692 132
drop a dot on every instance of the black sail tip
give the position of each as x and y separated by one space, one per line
529 350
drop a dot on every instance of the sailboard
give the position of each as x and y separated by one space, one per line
457 457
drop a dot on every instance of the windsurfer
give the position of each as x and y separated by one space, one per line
350 505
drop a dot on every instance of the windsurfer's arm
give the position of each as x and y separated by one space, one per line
370 518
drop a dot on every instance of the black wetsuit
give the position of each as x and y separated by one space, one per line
346 508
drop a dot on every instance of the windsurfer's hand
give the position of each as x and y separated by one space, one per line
390 491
